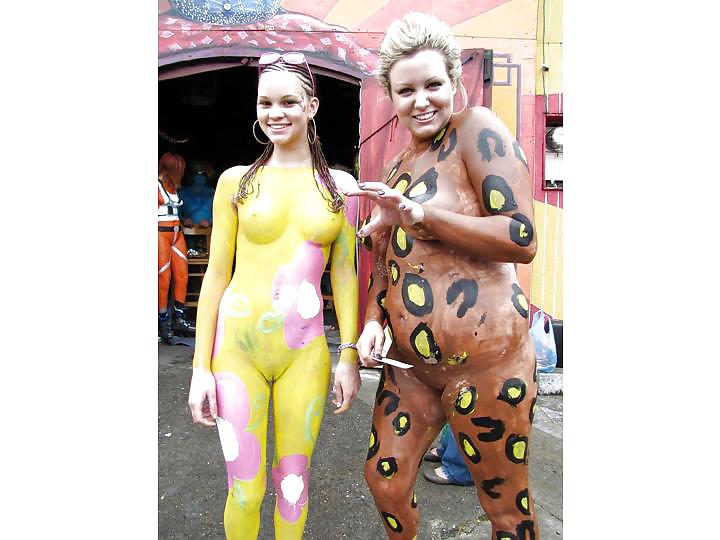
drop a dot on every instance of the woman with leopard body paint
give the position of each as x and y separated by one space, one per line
452 216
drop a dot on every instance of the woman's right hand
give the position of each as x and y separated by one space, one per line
202 401
370 344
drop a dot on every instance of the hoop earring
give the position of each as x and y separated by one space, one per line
464 94
256 137
314 130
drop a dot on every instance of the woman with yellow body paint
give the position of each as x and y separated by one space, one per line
260 330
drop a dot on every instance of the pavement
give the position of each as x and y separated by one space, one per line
192 484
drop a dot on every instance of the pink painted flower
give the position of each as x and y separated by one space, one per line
291 478
296 293
240 448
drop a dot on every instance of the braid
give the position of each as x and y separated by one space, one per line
245 186
335 201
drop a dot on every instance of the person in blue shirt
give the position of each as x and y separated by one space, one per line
197 200
452 469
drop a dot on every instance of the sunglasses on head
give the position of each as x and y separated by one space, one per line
293 58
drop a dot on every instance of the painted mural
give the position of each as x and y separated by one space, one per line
343 35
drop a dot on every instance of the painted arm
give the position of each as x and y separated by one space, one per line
499 175
202 397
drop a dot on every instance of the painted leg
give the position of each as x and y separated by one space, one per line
299 397
491 417
406 419
242 397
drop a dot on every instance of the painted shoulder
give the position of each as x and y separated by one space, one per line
475 119
233 174
343 180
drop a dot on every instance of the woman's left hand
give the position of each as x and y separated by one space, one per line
346 385
394 207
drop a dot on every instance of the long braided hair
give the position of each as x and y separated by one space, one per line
319 164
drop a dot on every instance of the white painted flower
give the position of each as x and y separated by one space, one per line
292 487
308 303
228 440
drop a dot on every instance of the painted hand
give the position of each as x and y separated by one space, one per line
394 208
201 399
346 385
370 344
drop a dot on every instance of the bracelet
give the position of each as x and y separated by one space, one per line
346 346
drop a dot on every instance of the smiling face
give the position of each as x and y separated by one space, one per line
422 93
283 108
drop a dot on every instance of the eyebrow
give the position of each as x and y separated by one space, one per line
283 97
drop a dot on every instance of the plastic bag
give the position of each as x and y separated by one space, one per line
541 332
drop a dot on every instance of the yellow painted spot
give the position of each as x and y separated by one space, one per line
519 450
402 422
382 301
372 440
524 503
465 399
391 174
402 185
423 344
534 409
439 135
401 239
457 358
385 466
469 450
523 232
497 199
394 271
418 190
514 392
392 522
522 301
416 294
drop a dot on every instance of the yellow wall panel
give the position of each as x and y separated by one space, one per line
547 274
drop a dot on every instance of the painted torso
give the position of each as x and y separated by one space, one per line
445 306
273 305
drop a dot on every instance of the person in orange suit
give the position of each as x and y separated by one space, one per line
172 251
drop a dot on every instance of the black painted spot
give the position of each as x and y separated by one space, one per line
521 230
374 444
393 171
370 281
466 399
393 400
437 141
366 241
452 142
392 522
424 188
522 501
535 371
381 384
497 195
469 290
519 300
413 501
488 486
484 143
520 154
403 182
417 295
390 370
533 408
516 448
394 272
401 242
494 425
423 343
387 467
380 299
401 423
504 535
528 527
513 391
467 446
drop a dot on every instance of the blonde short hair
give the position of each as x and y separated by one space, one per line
413 33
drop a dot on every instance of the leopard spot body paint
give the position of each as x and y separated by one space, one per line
401 242
483 143
424 188
394 272
417 295
519 300
423 343
497 195
513 391
392 521
521 230
387 467
374 444
522 501
402 183
495 428
489 485
401 424
452 142
393 401
533 409
468 447
393 171
465 401
516 448
437 141
524 527
469 289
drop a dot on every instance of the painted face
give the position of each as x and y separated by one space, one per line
283 108
422 93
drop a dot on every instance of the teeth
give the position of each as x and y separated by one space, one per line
424 116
